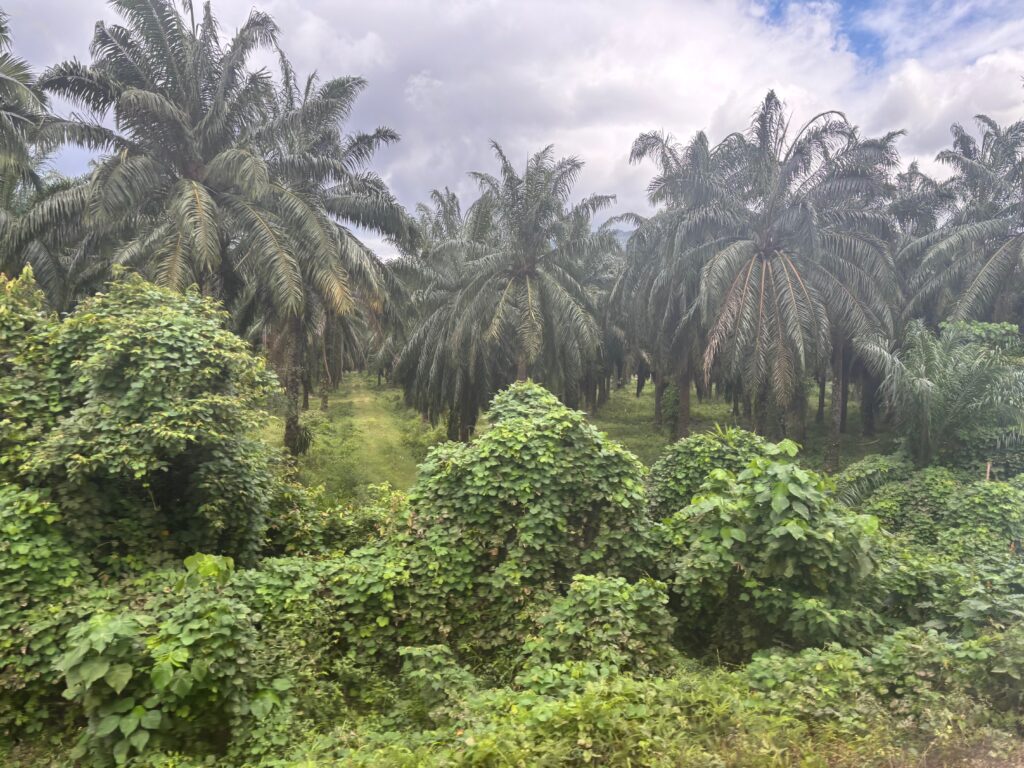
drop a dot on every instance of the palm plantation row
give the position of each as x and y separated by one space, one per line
781 259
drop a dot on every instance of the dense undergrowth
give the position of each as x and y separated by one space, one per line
170 597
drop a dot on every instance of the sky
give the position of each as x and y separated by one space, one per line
589 75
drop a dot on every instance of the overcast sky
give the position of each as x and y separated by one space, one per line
589 75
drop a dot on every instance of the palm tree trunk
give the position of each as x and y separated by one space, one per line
819 417
832 450
868 403
682 425
293 388
521 368
844 390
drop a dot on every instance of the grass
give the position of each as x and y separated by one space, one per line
630 420
368 435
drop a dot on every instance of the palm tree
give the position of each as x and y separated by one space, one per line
322 185
981 255
939 386
505 290
22 111
216 177
781 228
664 269
523 285
447 367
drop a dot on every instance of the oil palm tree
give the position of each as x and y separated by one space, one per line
215 175
980 256
665 269
941 385
322 186
447 366
523 283
22 111
780 226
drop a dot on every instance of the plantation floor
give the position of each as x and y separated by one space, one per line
368 435
630 420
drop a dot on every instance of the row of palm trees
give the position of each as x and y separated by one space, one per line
780 258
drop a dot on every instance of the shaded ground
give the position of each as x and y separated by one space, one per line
368 435
630 420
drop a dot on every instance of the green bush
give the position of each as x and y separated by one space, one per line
136 412
818 685
536 499
177 672
308 525
685 465
914 507
608 622
38 573
983 516
767 557
862 478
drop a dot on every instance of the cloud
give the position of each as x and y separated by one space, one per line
589 75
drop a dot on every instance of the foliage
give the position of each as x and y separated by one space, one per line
606 621
912 507
685 466
986 515
941 386
38 570
765 557
503 291
536 499
183 675
311 526
862 478
139 422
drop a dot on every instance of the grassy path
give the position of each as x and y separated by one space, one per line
383 453
366 436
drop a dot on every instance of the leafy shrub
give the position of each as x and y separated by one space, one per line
606 621
178 672
435 683
767 557
307 525
983 517
819 685
914 506
536 499
38 573
698 717
862 478
136 412
685 465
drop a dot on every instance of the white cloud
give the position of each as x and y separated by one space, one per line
589 75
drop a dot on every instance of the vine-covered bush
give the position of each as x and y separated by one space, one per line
177 671
862 478
308 525
38 572
983 517
137 413
605 621
767 556
492 525
913 507
685 465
